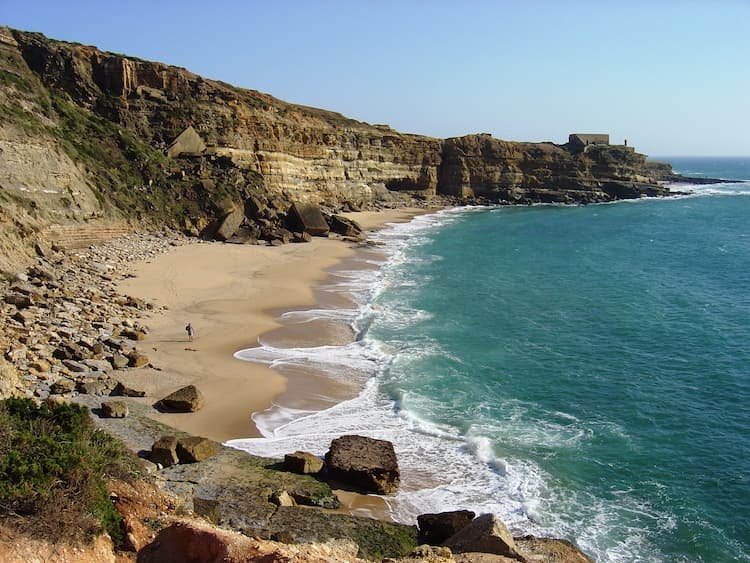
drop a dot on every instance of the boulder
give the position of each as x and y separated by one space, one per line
484 534
75 366
307 218
62 386
40 365
254 208
188 142
344 226
365 464
303 463
123 390
434 529
194 449
550 549
302 237
164 451
282 498
229 225
119 361
20 300
187 399
92 388
42 272
133 334
137 360
114 409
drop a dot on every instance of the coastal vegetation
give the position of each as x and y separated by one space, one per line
54 468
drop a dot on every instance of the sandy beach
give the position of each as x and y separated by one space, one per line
232 294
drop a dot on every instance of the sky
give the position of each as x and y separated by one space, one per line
670 76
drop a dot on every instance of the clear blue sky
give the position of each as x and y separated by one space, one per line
673 77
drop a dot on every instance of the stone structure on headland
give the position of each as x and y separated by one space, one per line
579 141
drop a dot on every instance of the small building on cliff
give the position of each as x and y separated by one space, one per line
579 141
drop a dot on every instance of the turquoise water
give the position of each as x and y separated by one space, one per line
580 371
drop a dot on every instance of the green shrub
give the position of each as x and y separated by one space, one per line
54 465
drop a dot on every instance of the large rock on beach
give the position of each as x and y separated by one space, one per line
345 226
114 409
364 464
307 217
187 399
194 449
164 451
485 534
123 390
229 225
303 463
434 529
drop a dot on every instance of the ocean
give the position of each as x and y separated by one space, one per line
580 371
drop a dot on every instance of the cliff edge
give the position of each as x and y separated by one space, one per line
96 142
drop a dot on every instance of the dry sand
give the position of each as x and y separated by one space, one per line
231 294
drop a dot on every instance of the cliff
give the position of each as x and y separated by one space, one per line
88 137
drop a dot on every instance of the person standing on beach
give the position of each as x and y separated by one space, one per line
189 330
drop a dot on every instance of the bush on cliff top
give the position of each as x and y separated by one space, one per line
53 468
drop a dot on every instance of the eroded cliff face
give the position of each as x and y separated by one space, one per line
481 166
85 133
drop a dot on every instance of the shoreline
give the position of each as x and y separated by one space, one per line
233 295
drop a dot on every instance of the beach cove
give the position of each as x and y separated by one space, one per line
231 294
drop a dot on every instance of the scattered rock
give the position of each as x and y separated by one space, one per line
133 334
43 249
92 388
114 409
62 386
20 300
344 226
282 498
119 361
187 399
484 534
307 217
137 360
549 549
302 237
164 451
123 390
303 463
434 529
363 463
98 365
229 225
194 449
40 365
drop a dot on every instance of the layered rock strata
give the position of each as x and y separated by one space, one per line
89 135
